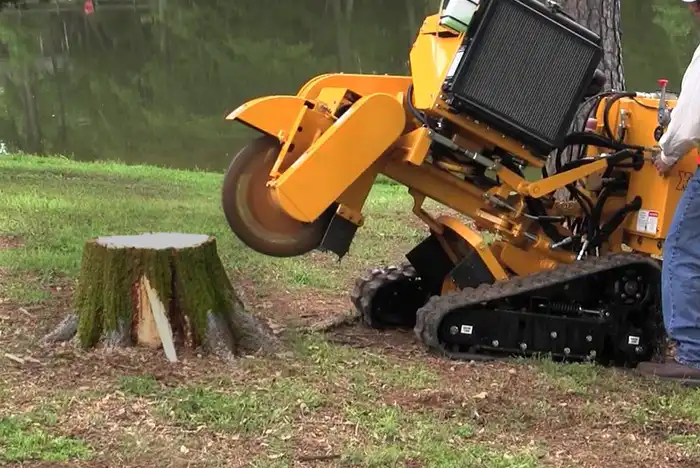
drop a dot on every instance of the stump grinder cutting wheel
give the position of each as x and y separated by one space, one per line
252 212
473 127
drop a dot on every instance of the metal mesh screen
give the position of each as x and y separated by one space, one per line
526 69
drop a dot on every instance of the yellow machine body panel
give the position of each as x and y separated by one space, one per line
272 115
364 85
431 56
335 160
660 197
646 229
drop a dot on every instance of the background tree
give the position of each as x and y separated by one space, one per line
603 17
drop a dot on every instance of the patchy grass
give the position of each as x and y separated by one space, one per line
266 407
397 437
22 440
354 397
57 204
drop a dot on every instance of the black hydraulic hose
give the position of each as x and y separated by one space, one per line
584 202
615 222
608 105
612 159
591 112
590 138
594 220
416 113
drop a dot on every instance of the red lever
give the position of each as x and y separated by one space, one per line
662 82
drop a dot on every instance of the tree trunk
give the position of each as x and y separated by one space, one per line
33 138
164 289
412 21
342 13
603 18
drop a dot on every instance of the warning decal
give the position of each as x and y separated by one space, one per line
647 221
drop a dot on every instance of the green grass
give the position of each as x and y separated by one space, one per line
690 443
398 436
576 378
55 205
360 368
266 406
21 440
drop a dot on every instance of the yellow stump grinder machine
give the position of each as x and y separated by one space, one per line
495 91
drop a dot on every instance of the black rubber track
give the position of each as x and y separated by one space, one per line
432 313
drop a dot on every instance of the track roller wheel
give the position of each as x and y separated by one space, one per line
388 298
253 214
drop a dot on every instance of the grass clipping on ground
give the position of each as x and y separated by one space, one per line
160 289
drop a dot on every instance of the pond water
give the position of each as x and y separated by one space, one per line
150 81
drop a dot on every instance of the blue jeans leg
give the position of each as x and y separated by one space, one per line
680 277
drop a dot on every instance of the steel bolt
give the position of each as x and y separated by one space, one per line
495 343
553 334
593 353
454 329
523 346
567 350
638 350
589 338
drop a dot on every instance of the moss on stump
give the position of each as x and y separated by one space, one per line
162 289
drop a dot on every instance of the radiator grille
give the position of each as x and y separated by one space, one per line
525 73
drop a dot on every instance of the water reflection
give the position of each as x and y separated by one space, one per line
150 81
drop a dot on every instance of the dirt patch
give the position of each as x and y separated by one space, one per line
283 309
9 241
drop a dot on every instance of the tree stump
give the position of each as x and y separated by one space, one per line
160 289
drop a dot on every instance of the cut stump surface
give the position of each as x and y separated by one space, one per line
160 290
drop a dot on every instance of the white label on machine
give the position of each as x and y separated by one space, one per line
455 63
633 340
467 329
647 221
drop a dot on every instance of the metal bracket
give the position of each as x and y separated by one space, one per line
474 156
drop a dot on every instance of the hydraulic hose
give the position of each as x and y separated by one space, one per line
416 113
608 105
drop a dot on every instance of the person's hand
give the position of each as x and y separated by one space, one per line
662 167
